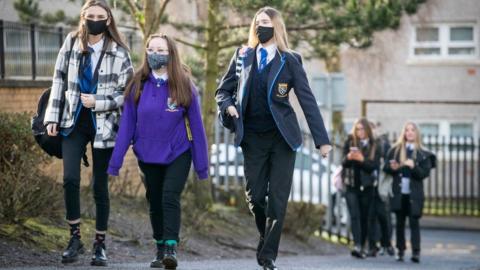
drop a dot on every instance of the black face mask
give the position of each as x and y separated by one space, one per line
264 33
96 27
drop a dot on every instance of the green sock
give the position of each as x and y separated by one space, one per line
159 244
171 242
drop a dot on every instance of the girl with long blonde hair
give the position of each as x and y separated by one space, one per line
409 163
253 102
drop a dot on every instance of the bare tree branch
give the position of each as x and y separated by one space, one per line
190 44
235 26
156 21
232 43
134 12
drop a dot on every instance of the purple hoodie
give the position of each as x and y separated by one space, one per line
156 127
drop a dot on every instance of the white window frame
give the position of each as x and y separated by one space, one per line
444 43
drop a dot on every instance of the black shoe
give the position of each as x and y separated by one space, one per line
75 247
170 257
99 257
357 252
415 257
259 247
390 251
158 262
269 264
372 252
399 256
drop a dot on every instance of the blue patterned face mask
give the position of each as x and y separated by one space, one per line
157 61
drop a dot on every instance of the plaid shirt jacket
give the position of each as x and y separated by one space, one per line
113 74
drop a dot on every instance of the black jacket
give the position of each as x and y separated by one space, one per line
364 174
286 73
424 162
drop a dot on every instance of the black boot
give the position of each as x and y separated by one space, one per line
158 262
170 257
416 257
390 251
400 255
75 247
99 256
259 247
269 264
357 252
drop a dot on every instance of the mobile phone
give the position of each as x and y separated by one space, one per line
353 149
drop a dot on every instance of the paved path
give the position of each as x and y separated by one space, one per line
442 250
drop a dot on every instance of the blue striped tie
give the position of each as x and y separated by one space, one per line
263 59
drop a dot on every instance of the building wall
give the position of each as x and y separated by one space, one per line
386 71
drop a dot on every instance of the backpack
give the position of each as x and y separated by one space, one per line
52 145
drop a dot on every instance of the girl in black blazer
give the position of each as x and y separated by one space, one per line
253 102
409 163
361 163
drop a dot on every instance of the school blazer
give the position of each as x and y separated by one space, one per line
286 73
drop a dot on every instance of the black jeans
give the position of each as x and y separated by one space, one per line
164 185
380 223
359 205
414 226
269 165
73 148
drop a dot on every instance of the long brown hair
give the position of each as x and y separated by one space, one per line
368 131
279 29
179 80
112 32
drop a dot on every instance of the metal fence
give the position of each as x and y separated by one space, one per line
29 51
453 187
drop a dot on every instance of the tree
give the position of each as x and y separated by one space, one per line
27 10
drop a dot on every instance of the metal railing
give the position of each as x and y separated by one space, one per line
29 51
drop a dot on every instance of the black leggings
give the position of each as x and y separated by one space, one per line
164 185
359 207
414 226
73 148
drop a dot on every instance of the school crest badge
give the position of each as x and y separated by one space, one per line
171 106
282 90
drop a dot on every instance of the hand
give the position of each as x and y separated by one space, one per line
232 111
88 100
355 155
409 163
325 149
394 165
52 129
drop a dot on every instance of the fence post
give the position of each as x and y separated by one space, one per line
60 37
34 51
2 52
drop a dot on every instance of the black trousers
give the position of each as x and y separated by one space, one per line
380 223
269 165
359 205
414 226
73 148
164 185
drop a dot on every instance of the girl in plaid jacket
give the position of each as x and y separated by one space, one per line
98 69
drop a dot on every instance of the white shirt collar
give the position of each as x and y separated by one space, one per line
271 51
157 76
364 142
410 146
97 47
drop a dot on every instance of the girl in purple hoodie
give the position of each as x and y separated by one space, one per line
162 119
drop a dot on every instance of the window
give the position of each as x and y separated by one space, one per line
429 129
445 41
461 130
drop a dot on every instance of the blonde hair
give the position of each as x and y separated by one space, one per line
279 29
400 148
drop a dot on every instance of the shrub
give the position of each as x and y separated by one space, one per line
303 219
25 191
